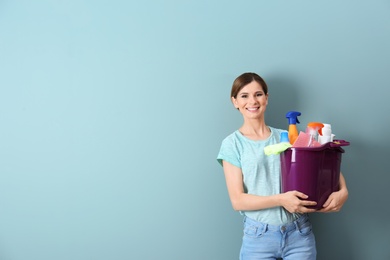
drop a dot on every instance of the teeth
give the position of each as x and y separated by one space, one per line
252 109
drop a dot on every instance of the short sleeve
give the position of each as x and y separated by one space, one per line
229 152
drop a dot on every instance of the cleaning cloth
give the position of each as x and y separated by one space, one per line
276 148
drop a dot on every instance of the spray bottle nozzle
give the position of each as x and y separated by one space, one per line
293 117
315 127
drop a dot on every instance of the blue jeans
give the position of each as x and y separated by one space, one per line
293 241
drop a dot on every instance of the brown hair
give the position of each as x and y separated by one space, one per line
244 79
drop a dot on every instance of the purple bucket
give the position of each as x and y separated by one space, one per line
314 171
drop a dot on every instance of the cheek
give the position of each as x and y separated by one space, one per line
237 103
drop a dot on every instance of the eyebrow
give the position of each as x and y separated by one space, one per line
246 93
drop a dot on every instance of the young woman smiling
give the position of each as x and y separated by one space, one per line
276 225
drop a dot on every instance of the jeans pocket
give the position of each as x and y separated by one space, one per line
253 231
305 228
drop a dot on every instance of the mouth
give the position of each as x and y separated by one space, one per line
253 109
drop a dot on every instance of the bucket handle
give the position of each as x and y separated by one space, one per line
338 143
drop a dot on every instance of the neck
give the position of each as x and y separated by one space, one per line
256 130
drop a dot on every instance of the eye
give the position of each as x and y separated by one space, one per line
259 94
244 96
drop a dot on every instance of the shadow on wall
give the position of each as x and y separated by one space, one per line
283 97
338 235
334 237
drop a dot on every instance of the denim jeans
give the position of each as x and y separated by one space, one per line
293 241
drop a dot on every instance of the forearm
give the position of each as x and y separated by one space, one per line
293 201
343 186
248 202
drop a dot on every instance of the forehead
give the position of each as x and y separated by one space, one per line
252 87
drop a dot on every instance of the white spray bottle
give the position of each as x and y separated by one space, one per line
314 129
327 135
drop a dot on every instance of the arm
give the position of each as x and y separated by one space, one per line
337 199
293 201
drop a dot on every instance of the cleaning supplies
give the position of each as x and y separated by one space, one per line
313 129
315 171
327 135
303 140
292 128
279 147
276 148
308 166
284 137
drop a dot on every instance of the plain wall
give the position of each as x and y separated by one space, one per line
112 114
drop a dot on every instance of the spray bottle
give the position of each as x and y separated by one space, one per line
292 128
314 128
327 135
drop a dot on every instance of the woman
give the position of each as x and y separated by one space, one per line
276 225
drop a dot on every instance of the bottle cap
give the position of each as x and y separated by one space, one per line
284 137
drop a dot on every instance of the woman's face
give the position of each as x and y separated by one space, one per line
251 101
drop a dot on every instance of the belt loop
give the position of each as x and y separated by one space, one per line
296 224
265 228
299 221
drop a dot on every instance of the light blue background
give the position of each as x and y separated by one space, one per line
112 114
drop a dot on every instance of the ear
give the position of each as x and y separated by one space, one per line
234 101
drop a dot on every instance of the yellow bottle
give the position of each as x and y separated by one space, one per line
292 128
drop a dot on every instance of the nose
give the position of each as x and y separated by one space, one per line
253 99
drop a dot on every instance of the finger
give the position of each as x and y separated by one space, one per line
306 210
328 201
308 203
330 208
327 210
326 204
307 207
323 210
301 195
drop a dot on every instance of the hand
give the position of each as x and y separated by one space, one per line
294 202
335 201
